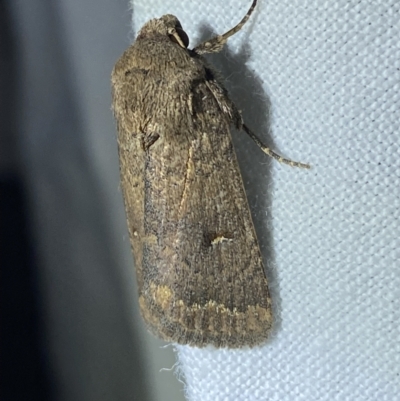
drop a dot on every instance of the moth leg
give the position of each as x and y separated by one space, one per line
224 103
270 152
215 44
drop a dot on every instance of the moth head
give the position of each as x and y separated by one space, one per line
169 26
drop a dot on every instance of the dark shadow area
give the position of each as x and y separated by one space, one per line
64 331
25 373
24 369
245 89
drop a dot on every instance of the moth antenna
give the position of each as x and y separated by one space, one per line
267 150
215 44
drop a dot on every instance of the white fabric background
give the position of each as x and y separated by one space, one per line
320 82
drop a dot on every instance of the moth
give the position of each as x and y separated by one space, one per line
199 268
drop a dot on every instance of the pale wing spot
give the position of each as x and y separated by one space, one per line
162 295
220 239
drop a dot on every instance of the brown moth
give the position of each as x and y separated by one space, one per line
199 268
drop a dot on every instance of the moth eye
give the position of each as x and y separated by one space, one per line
178 35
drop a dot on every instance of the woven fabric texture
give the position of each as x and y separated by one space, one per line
319 81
